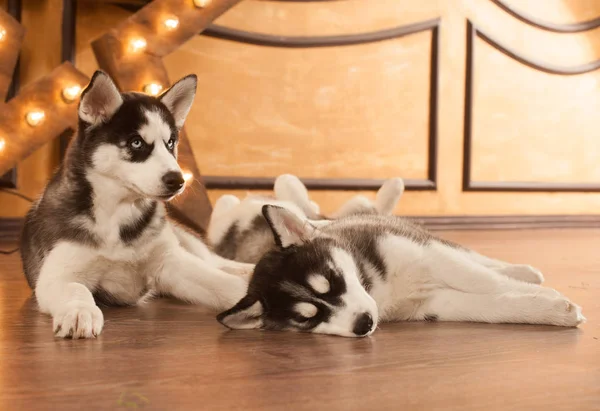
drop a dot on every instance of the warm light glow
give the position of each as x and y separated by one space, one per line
137 44
187 176
171 23
153 89
2 34
35 117
201 3
71 93
2 144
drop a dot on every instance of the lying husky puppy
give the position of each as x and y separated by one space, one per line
99 230
238 230
348 275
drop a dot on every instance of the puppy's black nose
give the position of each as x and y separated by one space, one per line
173 180
363 324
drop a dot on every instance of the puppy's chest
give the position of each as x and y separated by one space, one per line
406 275
129 233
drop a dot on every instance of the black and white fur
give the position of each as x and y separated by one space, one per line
238 230
99 233
345 276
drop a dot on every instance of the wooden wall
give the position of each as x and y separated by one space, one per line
350 92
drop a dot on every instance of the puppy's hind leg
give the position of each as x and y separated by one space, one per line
224 204
389 195
288 187
455 269
521 272
511 307
385 202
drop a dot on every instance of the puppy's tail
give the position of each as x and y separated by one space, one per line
289 188
389 195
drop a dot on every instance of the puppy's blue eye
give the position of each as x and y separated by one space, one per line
136 143
171 144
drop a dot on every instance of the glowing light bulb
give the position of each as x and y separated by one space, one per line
137 44
35 117
187 176
153 89
71 93
2 144
201 3
2 33
171 23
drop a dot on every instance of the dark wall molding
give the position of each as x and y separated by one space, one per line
266 183
533 63
269 40
13 7
511 186
549 26
433 25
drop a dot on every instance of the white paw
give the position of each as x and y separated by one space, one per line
565 313
388 196
225 203
78 320
524 273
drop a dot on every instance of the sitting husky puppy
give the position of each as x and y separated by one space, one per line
100 228
348 275
238 230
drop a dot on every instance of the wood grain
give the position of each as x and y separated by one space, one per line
45 95
10 47
168 355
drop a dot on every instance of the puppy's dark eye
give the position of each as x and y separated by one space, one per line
136 143
171 144
301 319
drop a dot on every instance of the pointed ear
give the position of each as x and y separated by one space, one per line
100 100
179 98
288 229
245 315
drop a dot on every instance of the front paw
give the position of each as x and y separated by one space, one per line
78 320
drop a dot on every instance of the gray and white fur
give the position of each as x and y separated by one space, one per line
345 276
99 232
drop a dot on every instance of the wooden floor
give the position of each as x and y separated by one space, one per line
171 356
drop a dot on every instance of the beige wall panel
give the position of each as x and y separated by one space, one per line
558 11
533 126
568 49
358 111
326 18
217 100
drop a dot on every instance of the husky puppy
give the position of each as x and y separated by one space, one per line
99 232
348 275
238 230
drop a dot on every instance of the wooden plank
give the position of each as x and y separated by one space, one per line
165 355
10 46
45 94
